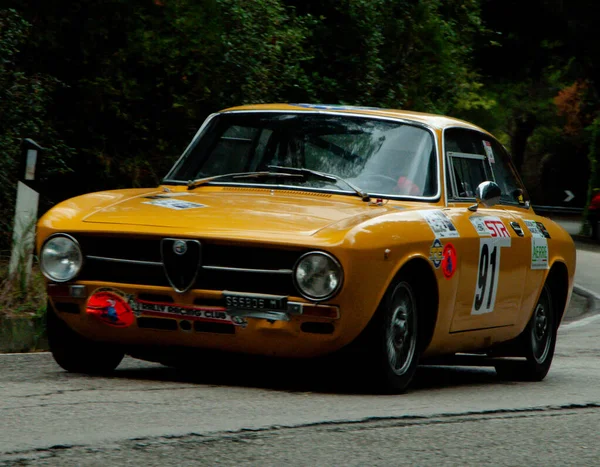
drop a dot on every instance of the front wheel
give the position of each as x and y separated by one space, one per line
77 354
537 343
396 338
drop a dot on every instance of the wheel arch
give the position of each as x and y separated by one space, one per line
558 280
424 280
426 289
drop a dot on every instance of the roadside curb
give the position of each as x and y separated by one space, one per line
593 299
22 334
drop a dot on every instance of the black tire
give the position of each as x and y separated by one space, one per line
536 343
596 230
77 354
395 340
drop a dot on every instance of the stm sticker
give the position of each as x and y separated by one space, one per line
449 261
487 146
173 203
440 224
436 253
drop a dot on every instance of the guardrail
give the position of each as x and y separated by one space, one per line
558 210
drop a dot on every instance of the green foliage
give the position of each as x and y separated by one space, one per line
24 106
143 74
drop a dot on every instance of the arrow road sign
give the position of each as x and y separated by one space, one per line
569 197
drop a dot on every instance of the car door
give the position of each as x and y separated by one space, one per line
492 247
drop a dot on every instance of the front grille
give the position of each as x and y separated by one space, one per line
269 267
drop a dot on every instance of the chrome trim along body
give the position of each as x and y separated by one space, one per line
258 271
126 261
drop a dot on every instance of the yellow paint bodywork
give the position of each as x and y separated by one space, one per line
372 242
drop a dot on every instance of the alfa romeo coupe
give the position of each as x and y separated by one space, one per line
305 230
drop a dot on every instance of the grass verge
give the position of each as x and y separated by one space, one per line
20 297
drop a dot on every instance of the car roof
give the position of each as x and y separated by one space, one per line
439 122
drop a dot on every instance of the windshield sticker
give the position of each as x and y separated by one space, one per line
436 253
440 224
487 146
489 226
449 261
174 203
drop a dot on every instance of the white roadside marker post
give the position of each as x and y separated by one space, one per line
26 209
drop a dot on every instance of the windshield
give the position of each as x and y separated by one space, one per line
378 156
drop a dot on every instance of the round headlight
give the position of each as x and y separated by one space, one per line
318 276
61 258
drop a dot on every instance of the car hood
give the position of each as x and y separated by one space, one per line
229 210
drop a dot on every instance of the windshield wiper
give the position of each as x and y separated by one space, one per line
323 176
203 181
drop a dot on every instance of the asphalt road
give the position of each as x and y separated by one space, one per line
271 414
587 274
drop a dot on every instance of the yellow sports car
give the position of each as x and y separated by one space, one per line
299 230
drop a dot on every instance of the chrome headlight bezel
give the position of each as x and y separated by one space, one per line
79 264
337 268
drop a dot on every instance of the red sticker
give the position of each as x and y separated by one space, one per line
449 261
111 309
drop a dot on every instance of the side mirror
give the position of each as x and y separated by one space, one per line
487 195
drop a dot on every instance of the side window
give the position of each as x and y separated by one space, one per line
468 165
474 157
468 171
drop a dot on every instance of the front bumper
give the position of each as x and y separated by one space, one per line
198 319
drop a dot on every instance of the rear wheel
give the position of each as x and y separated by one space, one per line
536 344
596 230
77 354
396 338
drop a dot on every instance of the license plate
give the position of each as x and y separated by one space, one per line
240 301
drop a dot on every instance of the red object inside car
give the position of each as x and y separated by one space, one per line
595 204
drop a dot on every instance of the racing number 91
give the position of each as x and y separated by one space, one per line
488 264
487 276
